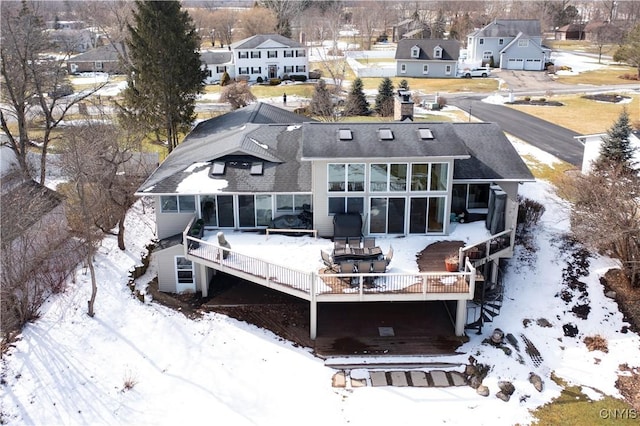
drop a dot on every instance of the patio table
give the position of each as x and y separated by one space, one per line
355 253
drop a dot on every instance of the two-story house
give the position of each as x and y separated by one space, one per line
269 56
241 170
427 58
514 44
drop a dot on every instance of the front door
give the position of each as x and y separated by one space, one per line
273 71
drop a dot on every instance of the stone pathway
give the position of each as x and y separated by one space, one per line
399 378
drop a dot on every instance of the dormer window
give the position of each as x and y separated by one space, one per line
437 52
415 52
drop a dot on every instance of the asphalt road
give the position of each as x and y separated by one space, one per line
556 140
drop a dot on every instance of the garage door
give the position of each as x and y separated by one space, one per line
515 64
533 64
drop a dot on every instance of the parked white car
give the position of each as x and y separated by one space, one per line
475 72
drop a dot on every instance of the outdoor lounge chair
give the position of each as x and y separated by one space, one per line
326 259
379 267
339 243
347 268
369 242
363 266
353 242
389 255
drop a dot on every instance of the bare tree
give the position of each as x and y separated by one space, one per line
237 94
34 85
258 20
322 105
223 23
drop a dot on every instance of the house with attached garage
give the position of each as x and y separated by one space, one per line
513 44
216 63
433 58
269 56
243 170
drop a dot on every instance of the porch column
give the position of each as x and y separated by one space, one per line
461 317
204 281
313 308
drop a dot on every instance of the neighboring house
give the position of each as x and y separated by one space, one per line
269 56
410 28
240 170
570 32
107 59
73 40
514 44
427 58
216 62
604 31
592 145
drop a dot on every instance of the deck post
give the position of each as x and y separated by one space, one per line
313 308
204 282
461 317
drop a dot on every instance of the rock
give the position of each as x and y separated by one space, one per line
506 387
482 390
536 381
543 322
611 294
475 382
503 396
497 336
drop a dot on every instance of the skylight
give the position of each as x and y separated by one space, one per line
218 168
385 134
345 135
425 134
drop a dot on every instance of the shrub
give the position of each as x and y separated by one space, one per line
527 98
259 80
285 77
596 343
298 77
275 81
225 79
543 99
529 212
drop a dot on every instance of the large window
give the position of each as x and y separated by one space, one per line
426 214
432 177
388 177
346 205
177 204
290 203
472 196
386 215
346 177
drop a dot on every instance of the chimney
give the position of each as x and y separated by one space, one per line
403 106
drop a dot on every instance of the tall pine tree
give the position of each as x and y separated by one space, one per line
356 103
616 148
165 74
384 98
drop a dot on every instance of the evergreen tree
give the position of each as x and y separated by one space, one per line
165 73
616 147
384 98
356 103
321 103
404 84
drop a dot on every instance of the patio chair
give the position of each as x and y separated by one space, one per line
353 242
379 267
389 255
339 243
347 268
326 259
369 242
363 266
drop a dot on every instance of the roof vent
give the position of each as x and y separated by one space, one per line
385 134
218 168
345 135
425 134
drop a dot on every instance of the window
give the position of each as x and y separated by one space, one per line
221 69
288 53
523 43
425 69
481 41
437 53
346 205
98 65
301 68
272 54
243 70
501 41
403 68
209 73
301 53
388 177
243 55
177 204
292 202
487 54
184 273
288 68
415 52
387 215
346 177
255 55
432 177
256 70
447 69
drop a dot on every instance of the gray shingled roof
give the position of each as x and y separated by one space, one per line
321 141
256 40
240 132
510 28
216 57
493 157
450 49
108 53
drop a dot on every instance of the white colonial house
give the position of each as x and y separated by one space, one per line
514 44
269 56
215 63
